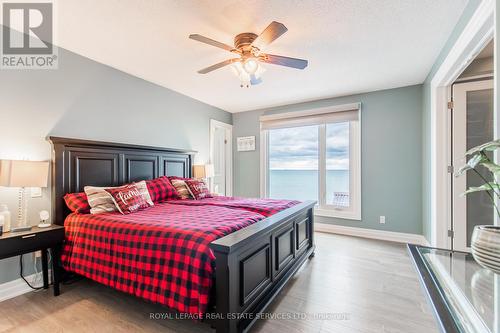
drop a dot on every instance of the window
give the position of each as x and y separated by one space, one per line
293 163
314 155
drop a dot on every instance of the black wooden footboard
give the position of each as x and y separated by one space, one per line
253 264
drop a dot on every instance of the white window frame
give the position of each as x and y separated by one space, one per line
353 212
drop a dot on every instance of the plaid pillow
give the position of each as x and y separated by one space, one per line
198 189
128 198
77 202
182 189
160 189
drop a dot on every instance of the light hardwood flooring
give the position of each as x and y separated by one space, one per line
372 282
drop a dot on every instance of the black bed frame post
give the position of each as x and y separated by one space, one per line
59 210
226 293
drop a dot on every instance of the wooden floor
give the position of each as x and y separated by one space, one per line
363 285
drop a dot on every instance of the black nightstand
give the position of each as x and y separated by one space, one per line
37 239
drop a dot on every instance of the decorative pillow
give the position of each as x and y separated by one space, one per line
99 200
198 189
182 189
143 188
160 189
128 198
77 202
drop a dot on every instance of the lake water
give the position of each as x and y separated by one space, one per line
303 184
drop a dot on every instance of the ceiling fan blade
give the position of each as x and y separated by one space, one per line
212 42
270 34
217 66
284 61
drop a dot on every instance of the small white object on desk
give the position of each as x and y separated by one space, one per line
4 211
44 217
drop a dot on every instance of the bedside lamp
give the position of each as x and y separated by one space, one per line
203 171
24 175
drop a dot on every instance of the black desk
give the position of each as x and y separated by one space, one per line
37 239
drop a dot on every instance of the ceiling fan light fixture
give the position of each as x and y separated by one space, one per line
251 65
248 68
246 78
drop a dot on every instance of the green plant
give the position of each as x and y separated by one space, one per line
479 159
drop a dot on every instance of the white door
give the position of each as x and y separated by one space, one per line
472 125
221 156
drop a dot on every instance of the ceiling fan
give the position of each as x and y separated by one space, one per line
248 46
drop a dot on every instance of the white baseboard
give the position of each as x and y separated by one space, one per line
391 236
15 288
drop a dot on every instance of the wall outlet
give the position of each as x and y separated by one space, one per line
382 219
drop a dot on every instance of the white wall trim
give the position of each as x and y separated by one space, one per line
478 32
16 287
390 236
264 137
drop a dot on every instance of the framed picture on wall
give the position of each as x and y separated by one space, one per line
246 143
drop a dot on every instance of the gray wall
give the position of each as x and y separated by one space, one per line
426 115
88 100
391 157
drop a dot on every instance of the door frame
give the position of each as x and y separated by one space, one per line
459 132
478 32
229 152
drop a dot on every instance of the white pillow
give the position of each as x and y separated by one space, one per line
99 200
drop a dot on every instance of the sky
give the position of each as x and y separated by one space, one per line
297 148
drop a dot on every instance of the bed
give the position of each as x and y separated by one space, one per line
265 207
233 254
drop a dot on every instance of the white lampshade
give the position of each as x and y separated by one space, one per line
24 173
203 171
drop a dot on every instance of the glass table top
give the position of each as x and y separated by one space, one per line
471 292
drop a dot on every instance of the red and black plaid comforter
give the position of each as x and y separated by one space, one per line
265 207
160 254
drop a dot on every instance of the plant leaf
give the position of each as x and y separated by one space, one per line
494 168
472 163
463 170
484 187
477 159
489 146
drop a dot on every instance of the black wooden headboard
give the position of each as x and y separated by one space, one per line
77 163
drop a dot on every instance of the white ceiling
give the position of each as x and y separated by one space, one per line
352 45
